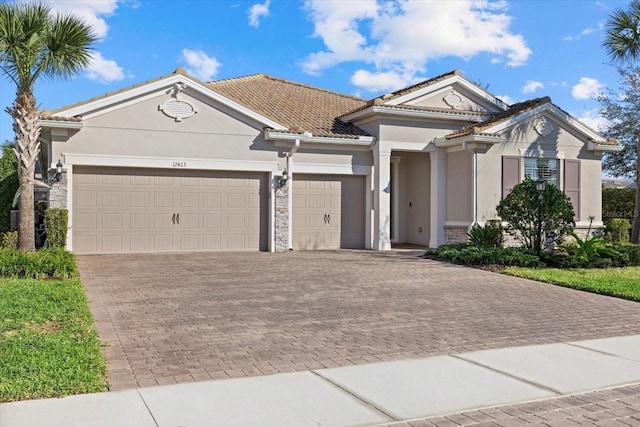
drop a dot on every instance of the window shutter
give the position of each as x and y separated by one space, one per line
572 184
510 174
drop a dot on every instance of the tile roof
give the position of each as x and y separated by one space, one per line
299 107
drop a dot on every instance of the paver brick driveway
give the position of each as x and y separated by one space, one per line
192 317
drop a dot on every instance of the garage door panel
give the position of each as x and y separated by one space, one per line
87 198
140 243
111 199
328 211
168 210
140 199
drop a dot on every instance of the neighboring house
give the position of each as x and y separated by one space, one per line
174 164
616 183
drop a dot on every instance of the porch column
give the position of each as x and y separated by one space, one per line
381 199
395 194
438 196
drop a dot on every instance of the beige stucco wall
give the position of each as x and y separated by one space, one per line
524 141
215 132
459 186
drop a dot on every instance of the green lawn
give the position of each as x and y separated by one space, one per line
48 346
621 282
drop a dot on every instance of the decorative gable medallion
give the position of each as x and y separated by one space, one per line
176 108
543 127
453 100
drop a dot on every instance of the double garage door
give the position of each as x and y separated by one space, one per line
127 210
167 210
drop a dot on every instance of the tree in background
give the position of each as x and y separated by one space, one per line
622 43
33 44
8 184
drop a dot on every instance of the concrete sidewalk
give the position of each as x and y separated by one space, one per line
363 395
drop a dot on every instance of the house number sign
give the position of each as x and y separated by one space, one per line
179 164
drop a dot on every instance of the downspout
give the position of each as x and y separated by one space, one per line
290 154
474 178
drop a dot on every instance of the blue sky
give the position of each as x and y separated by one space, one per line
519 49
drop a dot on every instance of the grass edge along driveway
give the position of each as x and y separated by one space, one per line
48 344
621 282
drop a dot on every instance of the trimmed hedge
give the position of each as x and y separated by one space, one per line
56 221
45 263
472 255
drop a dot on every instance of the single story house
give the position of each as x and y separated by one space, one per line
261 163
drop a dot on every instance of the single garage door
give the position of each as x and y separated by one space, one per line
328 211
129 210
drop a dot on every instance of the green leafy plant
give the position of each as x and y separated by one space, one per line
8 185
56 221
618 230
45 263
489 236
10 240
473 255
592 247
520 210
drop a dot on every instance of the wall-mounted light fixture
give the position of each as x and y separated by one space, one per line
57 172
283 179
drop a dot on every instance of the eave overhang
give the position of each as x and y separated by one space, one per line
309 138
414 113
481 138
60 124
604 148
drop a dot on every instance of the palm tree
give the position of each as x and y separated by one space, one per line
622 43
35 43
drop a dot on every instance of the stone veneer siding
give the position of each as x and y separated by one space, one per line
455 234
58 194
282 218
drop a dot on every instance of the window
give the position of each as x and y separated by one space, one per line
546 169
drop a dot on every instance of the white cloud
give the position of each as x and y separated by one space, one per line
586 31
587 88
104 70
403 36
593 119
91 11
532 86
374 82
258 11
506 99
199 64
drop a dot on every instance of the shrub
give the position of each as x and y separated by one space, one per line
472 255
45 263
618 230
8 185
56 221
520 210
10 240
489 236
618 203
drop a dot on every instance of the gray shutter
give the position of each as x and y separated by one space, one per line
510 174
572 184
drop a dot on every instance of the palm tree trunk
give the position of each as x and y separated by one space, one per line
27 130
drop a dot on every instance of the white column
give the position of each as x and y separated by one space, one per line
438 197
395 195
382 199
290 201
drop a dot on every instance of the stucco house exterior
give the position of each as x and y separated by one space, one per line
260 163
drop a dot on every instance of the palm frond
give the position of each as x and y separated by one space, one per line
622 40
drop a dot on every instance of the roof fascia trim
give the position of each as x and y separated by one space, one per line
443 142
160 84
60 124
307 137
603 148
381 109
446 82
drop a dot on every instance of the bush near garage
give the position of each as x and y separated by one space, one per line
50 263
